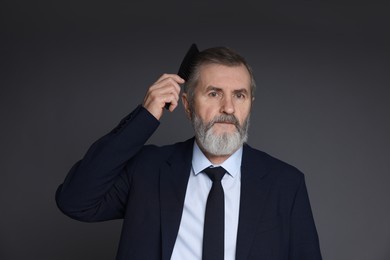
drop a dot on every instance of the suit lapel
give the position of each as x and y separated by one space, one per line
254 190
173 185
174 176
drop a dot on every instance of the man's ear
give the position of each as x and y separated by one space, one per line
186 104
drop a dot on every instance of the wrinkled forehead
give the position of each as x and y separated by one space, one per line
224 76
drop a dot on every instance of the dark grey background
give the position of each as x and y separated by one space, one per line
70 70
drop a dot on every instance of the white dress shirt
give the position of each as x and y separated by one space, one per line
188 245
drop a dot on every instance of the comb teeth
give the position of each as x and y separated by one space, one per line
186 65
188 62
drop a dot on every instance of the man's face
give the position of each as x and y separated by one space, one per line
221 107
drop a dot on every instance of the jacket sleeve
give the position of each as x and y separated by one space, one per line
304 243
96 188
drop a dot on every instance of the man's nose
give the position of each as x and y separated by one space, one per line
227 105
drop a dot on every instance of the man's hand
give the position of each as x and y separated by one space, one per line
165 90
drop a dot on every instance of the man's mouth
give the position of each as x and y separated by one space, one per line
225 124
224 121
231 123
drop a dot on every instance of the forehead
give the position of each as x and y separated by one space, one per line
224 77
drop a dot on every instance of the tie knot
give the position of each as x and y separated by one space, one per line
215 173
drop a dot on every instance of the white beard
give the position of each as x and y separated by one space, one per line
220 144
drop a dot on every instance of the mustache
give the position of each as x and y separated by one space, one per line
223 119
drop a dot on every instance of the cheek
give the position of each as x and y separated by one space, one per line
206 112
243 115
205 116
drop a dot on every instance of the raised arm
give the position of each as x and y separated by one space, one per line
97 187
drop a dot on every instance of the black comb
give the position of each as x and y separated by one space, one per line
186 65
188 62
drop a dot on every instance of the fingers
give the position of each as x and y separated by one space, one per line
165 90
175 77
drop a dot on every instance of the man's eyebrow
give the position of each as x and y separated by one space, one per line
209 88
241 90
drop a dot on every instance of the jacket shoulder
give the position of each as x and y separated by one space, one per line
163 153
270 164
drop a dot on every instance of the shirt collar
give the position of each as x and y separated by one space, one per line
232 164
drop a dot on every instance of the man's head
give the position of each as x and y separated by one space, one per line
216 55
217 98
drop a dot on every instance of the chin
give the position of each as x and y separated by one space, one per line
224 129
221 144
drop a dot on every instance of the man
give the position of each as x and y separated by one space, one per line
167 195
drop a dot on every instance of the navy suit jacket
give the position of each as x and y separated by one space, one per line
121 177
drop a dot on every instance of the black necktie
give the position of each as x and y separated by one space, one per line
214 222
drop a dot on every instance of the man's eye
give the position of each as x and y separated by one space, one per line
240 96
213 94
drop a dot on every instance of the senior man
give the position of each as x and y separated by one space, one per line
210 197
